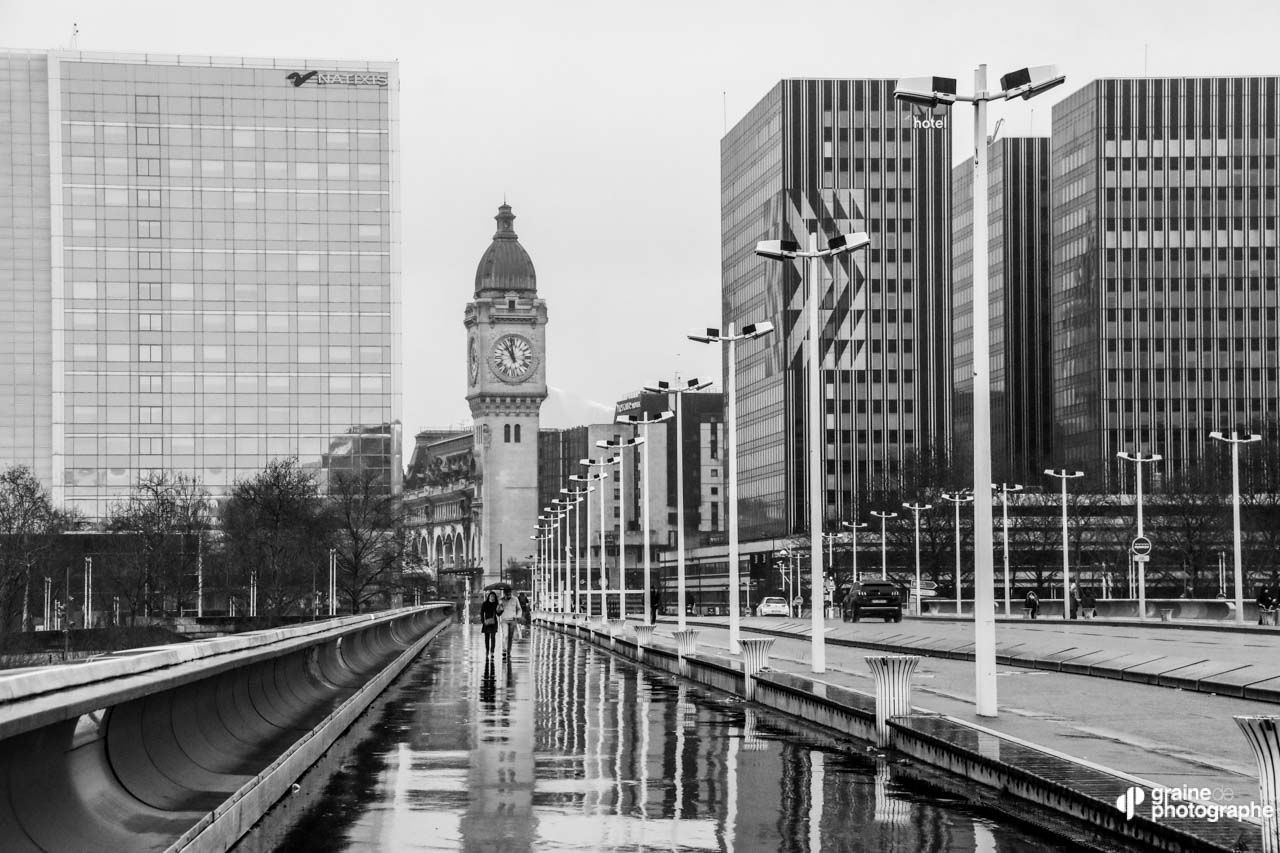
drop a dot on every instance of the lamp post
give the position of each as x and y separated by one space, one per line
932 92
884 551
1235 441
621 445
749 332
601 463
1063 474
644 421
546 528
679 391
333 585
583 494
854 527
916 510
536 574
569 506
1005 489
590 478
1138 459
787 250
957 498
558 510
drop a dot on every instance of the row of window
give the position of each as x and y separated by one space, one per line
877 406
1203 314
1157 374
1206 285
217 294
180 200
1189 403
81 168
1237 162
209 136
150 353
878 436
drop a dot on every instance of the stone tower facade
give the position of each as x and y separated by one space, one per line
506 384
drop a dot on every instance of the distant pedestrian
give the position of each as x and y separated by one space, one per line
525 610
489 621
1032 603
509 615
1265 603
655 604
1075 601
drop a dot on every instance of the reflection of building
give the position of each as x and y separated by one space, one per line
1018 239
837 155
200 266
1164 268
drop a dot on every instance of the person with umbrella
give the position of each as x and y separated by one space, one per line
508 615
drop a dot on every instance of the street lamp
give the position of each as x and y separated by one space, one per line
787 250
556 514
854 526
537 569
916 509
1235 441
1064 475
621 445
1138 459
590 478
601 463
679 391
570 506
645 421
580 495
1005 489
932 92
884 551
957 498
749 332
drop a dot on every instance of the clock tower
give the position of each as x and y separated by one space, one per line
506 384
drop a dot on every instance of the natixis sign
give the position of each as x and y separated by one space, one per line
338 78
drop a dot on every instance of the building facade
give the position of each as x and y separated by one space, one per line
831 156
1164 267
1021 349
199 259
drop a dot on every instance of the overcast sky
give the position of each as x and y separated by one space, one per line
600 123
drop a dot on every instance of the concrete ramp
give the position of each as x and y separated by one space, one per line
143 751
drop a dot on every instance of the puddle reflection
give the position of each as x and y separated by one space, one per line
563 747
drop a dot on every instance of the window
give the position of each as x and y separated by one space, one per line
150 352
506 433
517 434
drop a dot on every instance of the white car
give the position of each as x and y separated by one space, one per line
773 606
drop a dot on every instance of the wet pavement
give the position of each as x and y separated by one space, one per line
564 747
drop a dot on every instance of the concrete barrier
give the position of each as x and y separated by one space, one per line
184 747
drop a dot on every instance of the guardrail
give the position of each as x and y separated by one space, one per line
1208 609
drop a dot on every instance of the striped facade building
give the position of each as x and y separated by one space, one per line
1164 267
837 156
1021 351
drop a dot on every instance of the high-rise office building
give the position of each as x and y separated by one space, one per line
837 156
1164 266
1018 248
199 265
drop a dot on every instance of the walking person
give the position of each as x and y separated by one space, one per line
489 621
1032 603
1265 603
1075 601
508 615
655 604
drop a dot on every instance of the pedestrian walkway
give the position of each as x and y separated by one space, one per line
1165 736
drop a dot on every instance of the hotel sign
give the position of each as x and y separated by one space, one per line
338 78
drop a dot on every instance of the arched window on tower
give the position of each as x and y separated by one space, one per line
517 433
506 433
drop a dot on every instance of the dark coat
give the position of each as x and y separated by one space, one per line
489 610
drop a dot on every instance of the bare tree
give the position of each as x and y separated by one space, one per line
366 528
29 527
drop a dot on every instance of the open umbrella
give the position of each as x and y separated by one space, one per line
500 586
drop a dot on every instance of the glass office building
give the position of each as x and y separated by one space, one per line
1018 266
837 156
1164 267
200 261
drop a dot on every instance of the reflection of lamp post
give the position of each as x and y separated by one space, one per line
1065 475
1235 441
884 550
916 508
749 332
957 498
787 250
1005 489
679 391
621 445
1138 459
932 92
644 421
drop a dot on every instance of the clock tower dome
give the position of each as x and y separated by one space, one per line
506 384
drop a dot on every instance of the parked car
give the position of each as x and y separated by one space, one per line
874 598
773 606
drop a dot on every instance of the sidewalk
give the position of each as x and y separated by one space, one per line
1166 736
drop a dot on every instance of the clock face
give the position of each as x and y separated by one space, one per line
512 358
473 362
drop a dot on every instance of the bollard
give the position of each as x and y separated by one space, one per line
686 641
644 636
893 689
755 657
1264 736
1166 615
616 627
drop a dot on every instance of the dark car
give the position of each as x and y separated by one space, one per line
874 598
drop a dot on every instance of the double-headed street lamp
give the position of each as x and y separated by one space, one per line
579 495
679 391
787 250
1063 474
749 332
932 92
602 463
916 510
540 593
644 421
569 549
1138 459
1004 489
1235 441
854 527
884 549
957 498
621 446
590 478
